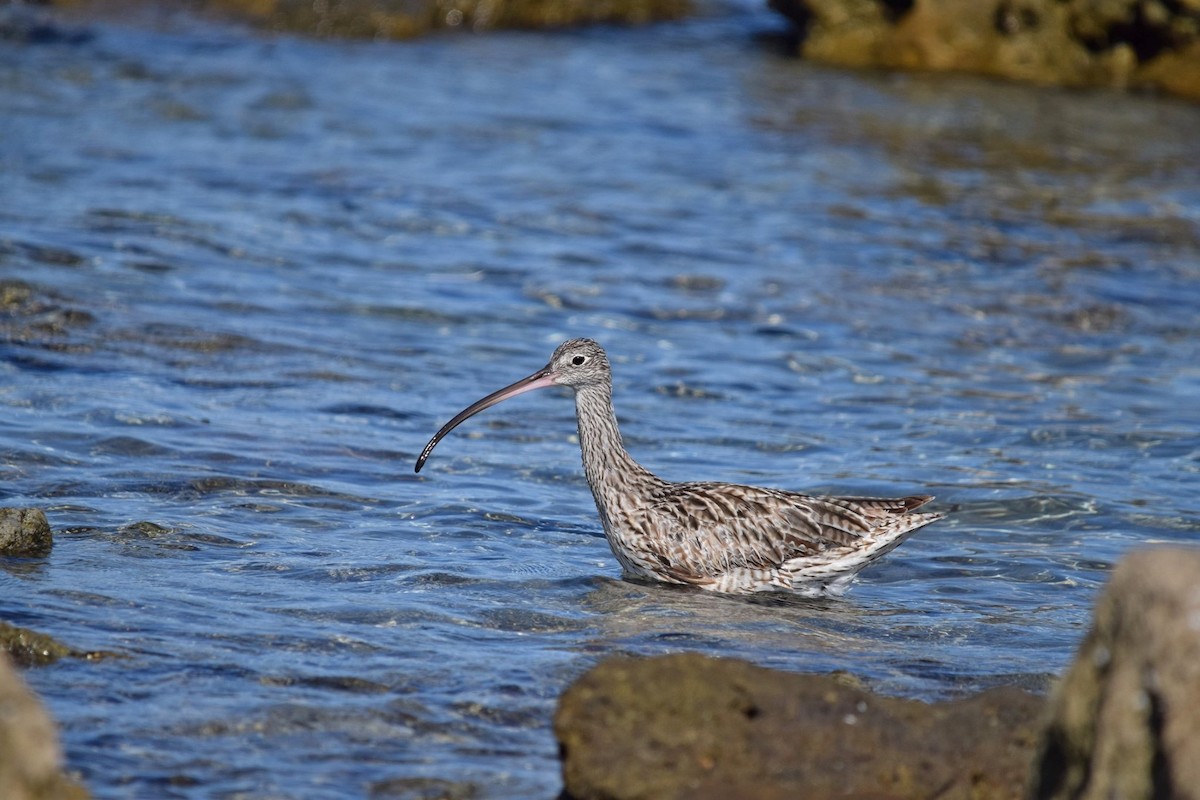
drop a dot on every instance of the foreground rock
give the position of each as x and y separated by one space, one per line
30 758
1126 718
1115 43
698 727
24 532
402 19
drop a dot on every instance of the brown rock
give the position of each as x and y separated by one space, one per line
697 727
1175 71
30 758
1125 721
1114 43
24 532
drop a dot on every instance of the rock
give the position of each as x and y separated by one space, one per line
1176 71
35 315
1124 721
24 532
692 726
30 758
30 648
403 19
1113 43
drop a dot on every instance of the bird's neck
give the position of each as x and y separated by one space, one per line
610 471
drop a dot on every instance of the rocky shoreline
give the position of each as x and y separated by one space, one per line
1119 44
401 19
1143 45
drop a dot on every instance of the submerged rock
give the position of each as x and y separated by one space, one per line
24 532
30 648
693 726
1115 43
34 315
1125 721
30 757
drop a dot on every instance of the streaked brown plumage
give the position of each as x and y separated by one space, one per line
717 536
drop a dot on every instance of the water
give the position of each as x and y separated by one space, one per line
259 272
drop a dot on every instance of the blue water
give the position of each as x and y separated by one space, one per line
259 272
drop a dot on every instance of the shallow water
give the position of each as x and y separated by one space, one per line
260 272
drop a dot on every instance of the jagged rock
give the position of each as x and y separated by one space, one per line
698 727
1114 43
24 532
30 758
1125 720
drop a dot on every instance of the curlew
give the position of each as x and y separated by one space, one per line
722 537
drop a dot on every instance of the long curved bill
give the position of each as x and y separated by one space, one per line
539 380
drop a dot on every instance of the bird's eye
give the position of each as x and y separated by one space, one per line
577 360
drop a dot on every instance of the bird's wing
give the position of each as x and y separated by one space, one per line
710 528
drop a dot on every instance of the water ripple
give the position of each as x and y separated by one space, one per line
243 281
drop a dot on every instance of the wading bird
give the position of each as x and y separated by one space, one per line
722 537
